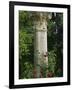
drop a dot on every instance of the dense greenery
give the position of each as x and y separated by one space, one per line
26 46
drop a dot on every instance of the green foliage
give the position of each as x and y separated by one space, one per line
55 45
24 20
23 46
26 47
51 61
27 70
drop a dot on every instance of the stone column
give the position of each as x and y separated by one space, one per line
40 43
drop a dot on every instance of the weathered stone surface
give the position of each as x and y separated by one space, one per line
40 42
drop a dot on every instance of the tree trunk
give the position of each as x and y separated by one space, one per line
40 45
